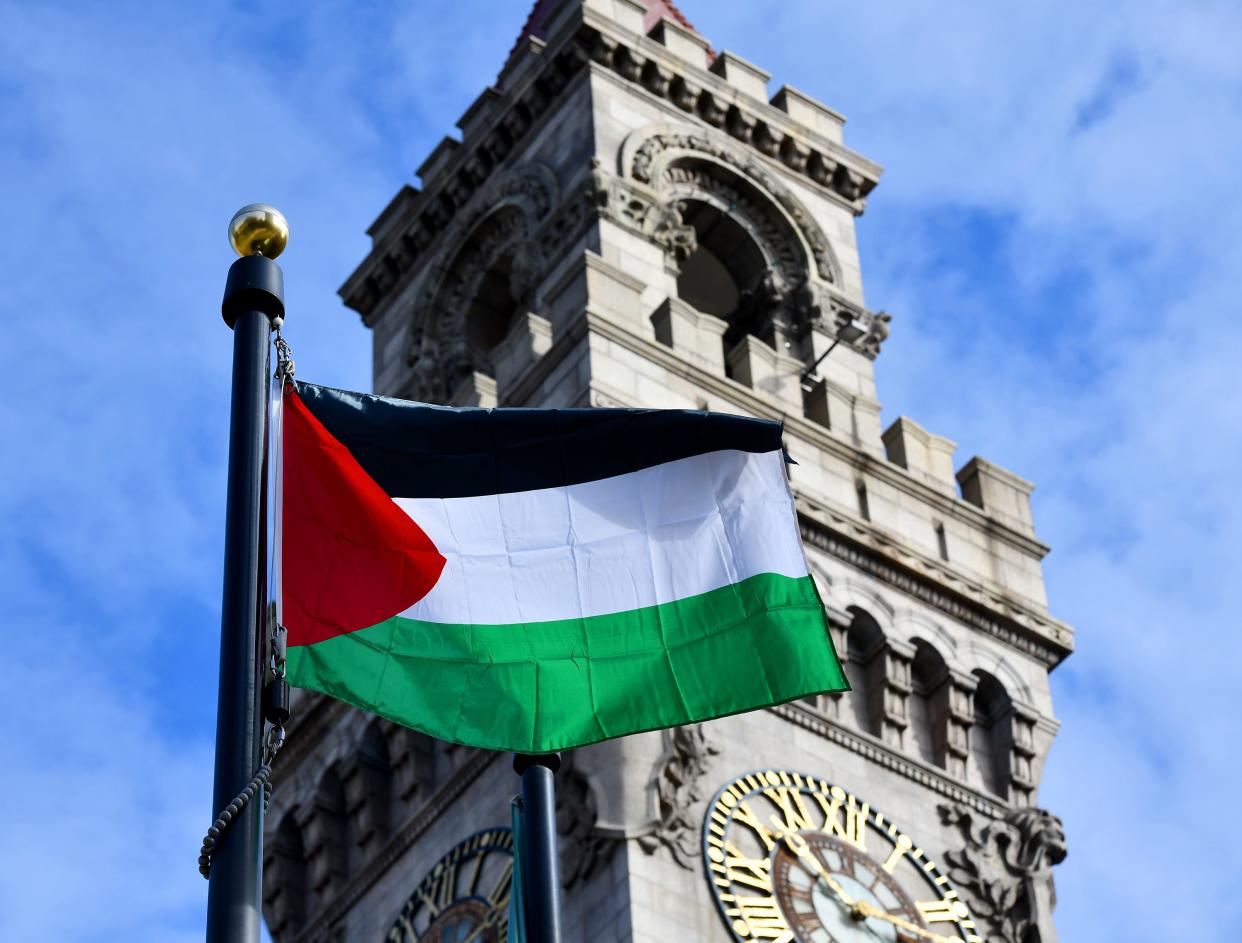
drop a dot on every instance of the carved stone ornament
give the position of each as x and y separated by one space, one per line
669 230
650 155
678 786
585 850
1006 866
497 227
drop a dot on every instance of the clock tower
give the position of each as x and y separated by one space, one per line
629 217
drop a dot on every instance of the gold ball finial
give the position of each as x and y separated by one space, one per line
259 229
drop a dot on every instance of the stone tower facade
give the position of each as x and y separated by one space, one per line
628 218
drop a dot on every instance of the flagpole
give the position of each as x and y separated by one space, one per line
253 300
540 856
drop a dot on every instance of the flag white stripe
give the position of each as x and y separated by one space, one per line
650 537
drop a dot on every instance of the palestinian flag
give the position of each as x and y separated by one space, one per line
534 580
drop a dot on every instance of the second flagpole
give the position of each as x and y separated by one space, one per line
540 862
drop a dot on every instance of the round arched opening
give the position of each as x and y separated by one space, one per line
720 276
489 314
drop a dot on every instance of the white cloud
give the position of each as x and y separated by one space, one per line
1065 298
1058 233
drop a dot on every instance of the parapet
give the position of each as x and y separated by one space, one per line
1000 493
925 455
745 76
682 42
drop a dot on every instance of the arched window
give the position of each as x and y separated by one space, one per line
724 267
928 677
368 789
991 735
740 254
415 762
864 667
330 853
285 886
490 311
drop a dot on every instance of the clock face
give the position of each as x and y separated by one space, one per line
464 898
794 858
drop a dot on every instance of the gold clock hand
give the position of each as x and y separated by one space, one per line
798 845
492 916
866 910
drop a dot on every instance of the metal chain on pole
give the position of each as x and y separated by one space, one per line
285 367
276 709
276 691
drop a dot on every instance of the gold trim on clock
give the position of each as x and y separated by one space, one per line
793 858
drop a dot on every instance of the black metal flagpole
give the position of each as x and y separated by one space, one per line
541 870
253 300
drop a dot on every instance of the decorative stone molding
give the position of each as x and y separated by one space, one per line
496 227
656 155
1006 868
874 750
413 756
895 692
1022 780
322 923
670 232
955 714
678 786
415 223
585 850
367 780
931 593
665 167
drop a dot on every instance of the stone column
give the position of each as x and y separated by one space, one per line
322 829
954 707
1022 757
413 758
368 790
895 692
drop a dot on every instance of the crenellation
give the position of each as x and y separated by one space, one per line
399 206
431 171
925 455
627 14
1000 492
807 111
681 42
477 120
746 77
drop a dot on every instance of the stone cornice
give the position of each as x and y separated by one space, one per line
857 542
1047 640
721 104
410 224
882 755
813 433
844 536
320 926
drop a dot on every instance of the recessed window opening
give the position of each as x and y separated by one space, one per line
724 273
864 506
491 310
864 667
942 542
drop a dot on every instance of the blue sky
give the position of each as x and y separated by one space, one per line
1058 235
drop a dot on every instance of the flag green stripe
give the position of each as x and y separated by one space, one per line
547 686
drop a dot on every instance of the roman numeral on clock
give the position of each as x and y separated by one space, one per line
794 815
942 911
904 844
848 823
759 918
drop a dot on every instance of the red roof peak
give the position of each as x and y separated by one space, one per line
542 11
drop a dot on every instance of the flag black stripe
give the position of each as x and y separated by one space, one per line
414 450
